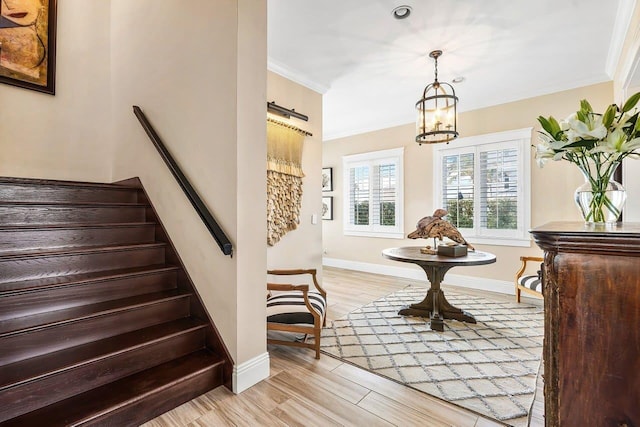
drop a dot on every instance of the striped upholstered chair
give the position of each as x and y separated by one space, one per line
296 309
525 280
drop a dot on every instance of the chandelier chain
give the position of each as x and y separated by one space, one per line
436 70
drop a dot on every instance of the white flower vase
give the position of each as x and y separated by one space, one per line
600 200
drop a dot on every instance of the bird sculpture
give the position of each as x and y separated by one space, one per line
435 227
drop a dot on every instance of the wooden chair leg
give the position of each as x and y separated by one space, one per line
518 291
316 336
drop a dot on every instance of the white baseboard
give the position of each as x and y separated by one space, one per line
416 273
250 373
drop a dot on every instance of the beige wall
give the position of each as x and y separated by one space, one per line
250 173
301 248
66 136
201 80
199 73
551 187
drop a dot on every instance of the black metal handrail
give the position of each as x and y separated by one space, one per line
192 195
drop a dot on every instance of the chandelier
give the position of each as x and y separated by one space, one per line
437 113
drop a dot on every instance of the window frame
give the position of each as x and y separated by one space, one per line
395 156
519 139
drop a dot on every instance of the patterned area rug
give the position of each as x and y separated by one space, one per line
489 367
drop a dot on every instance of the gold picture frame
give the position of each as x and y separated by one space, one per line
28 44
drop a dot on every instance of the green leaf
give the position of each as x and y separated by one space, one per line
555 126
609 115
585 106
636 127
586 143
631 102
546 125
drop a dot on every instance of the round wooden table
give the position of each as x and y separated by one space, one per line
435 306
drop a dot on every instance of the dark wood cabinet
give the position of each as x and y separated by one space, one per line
592 324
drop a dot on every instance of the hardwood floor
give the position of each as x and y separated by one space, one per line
302 391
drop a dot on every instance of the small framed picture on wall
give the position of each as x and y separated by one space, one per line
327 179
327 207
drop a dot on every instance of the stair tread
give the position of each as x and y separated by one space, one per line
104 399
73 279
52 363
64 183
77 250
79 225
53 318
72 204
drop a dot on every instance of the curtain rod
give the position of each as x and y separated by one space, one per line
272 107
297 129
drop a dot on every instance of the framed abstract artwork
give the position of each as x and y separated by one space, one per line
327 179
28 44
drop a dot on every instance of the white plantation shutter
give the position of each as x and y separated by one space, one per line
458 189
373 183
359 195
499 189
384 194
484 184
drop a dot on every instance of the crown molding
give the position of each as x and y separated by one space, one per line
629 64
295 76
620 30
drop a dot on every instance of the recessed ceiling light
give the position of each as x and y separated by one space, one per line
401 12
458 79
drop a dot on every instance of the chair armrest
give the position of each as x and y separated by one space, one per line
531 258
287 287
293 272
524 260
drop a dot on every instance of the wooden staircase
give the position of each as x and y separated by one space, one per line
99 322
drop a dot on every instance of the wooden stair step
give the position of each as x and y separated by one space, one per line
30 384
34 285
9 288
16 212
49 364
31 237
134 399
75 314
38 189
33 297
74 250
78 260
99 322
31 336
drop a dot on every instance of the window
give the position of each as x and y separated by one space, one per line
484 184
373 194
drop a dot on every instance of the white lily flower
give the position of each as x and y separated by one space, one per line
543 153
593 129
630 146
584 140
559 145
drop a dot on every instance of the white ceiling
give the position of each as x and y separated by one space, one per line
373 68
